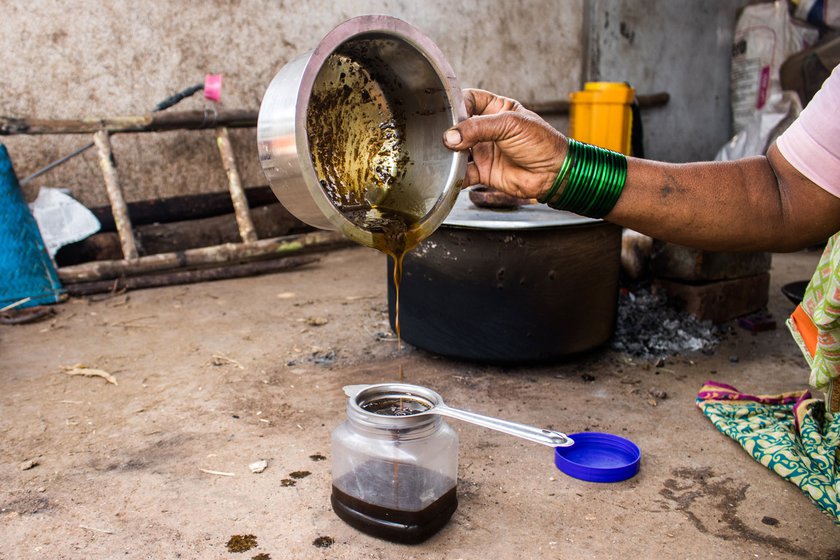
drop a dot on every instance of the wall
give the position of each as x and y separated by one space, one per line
109 58
113 58
678 46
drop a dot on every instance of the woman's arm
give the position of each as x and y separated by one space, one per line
758 203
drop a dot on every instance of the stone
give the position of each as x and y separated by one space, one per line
258 466
719 301
676 262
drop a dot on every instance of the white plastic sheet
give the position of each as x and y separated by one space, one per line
763 128
61 219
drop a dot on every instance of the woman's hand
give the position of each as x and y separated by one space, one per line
513 149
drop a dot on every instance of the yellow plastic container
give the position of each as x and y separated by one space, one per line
601 115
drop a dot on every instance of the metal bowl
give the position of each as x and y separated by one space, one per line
354 128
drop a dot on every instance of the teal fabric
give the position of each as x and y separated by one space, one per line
26 270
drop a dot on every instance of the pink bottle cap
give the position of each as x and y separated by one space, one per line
213 87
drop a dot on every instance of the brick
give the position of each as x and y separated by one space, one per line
719 301
676 262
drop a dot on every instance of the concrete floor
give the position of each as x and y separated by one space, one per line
215 376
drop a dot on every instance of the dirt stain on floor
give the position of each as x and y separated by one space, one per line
705 498
27 504
155 453
297 475
323 542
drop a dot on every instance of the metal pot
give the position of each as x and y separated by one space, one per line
517 286
354 127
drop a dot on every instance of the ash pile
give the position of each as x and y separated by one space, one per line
649 327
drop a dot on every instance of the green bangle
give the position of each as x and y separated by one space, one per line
594 180
601 183
561 176
578 195
580 164
615 184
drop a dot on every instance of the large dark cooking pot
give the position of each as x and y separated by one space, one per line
515 286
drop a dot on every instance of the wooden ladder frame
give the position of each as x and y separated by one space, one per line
93 276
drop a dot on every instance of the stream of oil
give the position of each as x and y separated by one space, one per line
396 235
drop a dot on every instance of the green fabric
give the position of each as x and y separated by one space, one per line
822 304
807 456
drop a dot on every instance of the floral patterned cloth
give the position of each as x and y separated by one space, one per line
791 434
822 305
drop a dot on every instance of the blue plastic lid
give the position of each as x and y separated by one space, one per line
598 457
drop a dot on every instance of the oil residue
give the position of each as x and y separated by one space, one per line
356 138
401 406
323 542
297 475
241 543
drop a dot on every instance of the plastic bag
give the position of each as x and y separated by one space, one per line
763 128
764 37
61 219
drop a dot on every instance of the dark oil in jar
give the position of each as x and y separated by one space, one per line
404 523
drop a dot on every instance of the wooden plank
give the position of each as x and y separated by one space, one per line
153 122
189 276
229 252
175 120
272 220
115 195
237 194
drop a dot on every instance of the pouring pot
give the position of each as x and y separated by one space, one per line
356 125
516 286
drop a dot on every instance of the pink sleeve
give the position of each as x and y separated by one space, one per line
812 143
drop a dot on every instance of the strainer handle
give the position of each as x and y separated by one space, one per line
550 438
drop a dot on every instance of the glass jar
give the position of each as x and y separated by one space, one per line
394 471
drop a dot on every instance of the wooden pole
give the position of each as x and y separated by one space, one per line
153 122
229 252
237 194
115 195
270 221
189 276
